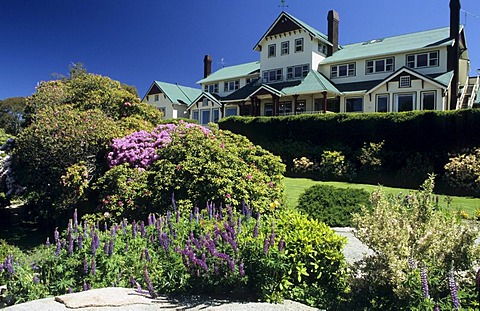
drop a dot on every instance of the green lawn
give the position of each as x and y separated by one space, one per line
296 186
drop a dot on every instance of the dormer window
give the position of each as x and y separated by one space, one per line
299 45
211 88
272 50
345 70
273 75
297 72
421 60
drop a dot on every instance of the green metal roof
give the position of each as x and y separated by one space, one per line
232 72
391 45
178 93
313 82
445 78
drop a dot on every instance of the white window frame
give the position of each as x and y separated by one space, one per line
404 82
387 96
273 75
272 50
156 97
285 48
335 70
353 98
422 97
299 45
396 98
215 115
371 65
202 121
322 48
228 109
297 72
433 58
231 85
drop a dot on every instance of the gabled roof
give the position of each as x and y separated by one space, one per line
212 97
232 72
410 71
176 93
286 22
391 45
313 82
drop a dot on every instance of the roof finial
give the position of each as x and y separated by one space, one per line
283 5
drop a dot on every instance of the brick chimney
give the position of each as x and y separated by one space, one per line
333 20
453 51
207 66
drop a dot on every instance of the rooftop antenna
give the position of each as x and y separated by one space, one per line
283 5
465 14
222 62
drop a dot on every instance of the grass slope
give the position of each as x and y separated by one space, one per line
296 186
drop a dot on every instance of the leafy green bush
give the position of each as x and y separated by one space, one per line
409 234
196 165
463 170
333 206
215 252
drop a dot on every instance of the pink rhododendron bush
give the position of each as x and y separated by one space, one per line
195 165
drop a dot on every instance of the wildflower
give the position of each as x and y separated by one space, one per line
47 243
142 229
56 235
134 229
58 248
93 269
266 243
70 290
228 195
423 278
80 241
151 290
248 177
110 247
255 230
452 285
85 286
70 243
75 218
411 263
36 280
105 248
241 269
281 244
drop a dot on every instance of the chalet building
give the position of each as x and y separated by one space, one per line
302 70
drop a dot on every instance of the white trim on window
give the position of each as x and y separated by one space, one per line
380 65
298 45
432 98
285 48
423 60
404 81
382 103
343 70
401 102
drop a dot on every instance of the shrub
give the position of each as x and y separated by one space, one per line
333 206
215 252
197 165
408 233
463 170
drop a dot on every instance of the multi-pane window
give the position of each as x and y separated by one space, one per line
428 59
195 115
231 85
404 102
322 48
379 65
345 70
299 45
216 115
296 72
156 97
272 50
382 103
354 104
428 100
273 75
269 109
231 111
211 88
285 48
405 81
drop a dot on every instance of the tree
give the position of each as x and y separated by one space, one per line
12 114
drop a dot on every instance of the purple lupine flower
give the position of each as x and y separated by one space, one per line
124 226
70 290
70 243
106 227
110 247
80 241
241 268
85 265
75 218
151 290
8 265
56 235
452 285
411 263
58 248
47 243
266 243
220 212
255 230
85 286
169 215
174 205
36 280
94 244
105 248
281 244
93 269
134 229
436 308
149 219
147 255
191 216
424 280
177 216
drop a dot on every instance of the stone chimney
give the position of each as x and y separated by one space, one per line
207 66
453 51
333 20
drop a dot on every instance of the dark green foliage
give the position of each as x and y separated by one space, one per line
11 114
333 206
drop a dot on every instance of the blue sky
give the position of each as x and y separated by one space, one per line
139 41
